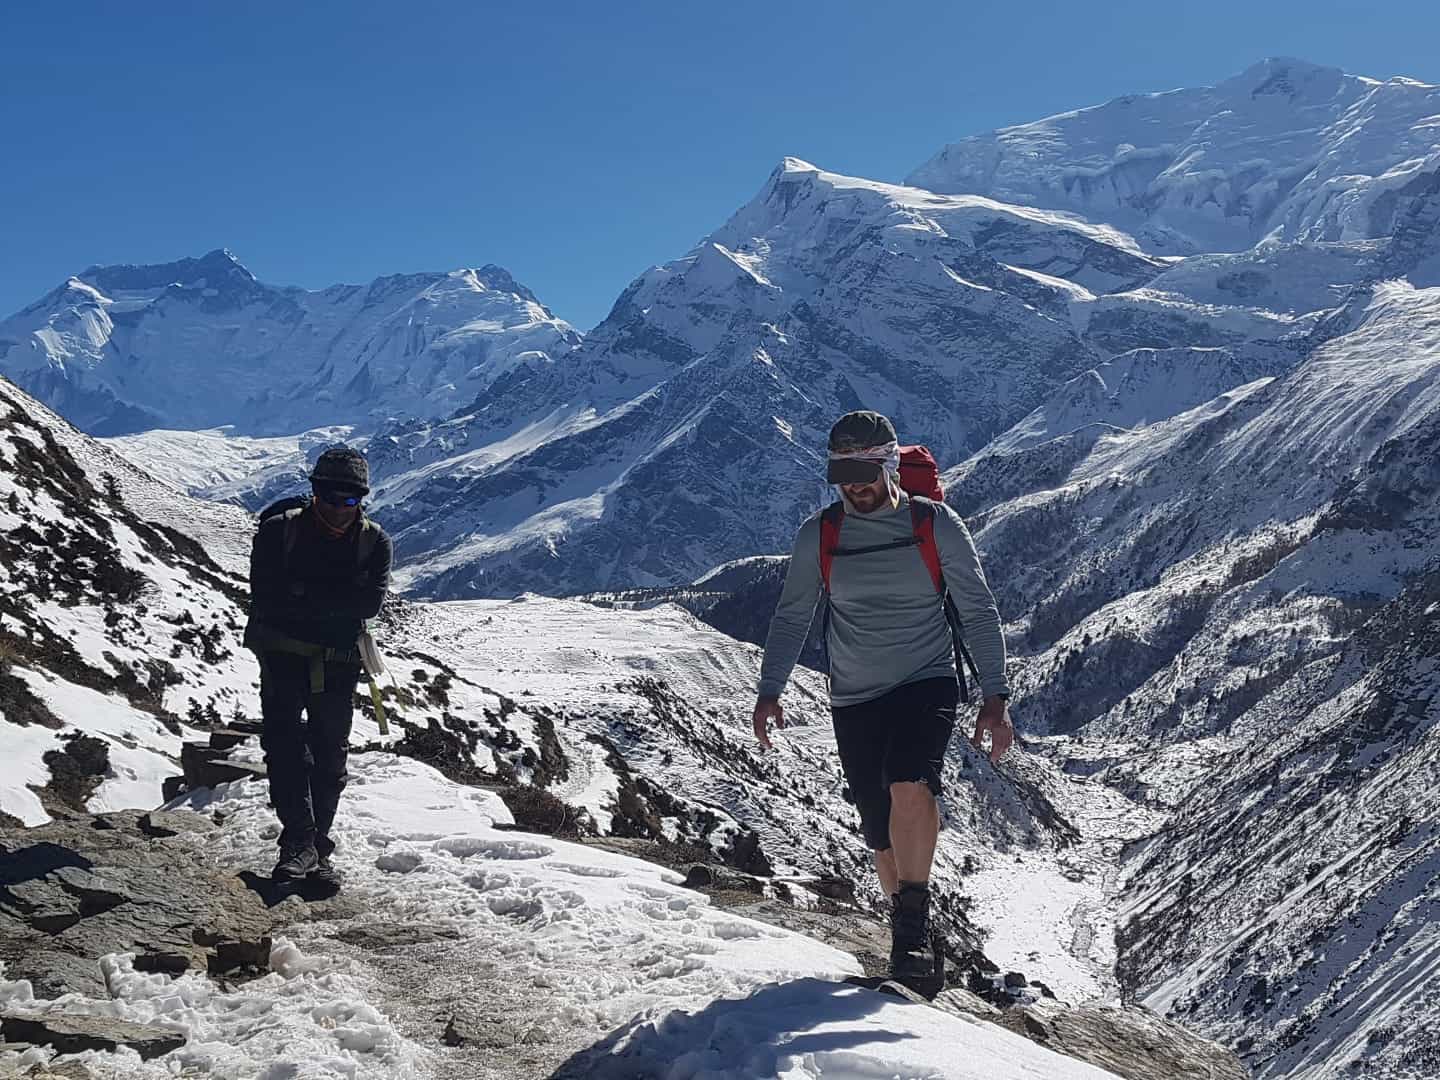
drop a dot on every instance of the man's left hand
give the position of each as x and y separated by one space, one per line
995 718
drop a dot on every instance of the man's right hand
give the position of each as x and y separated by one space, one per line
767 709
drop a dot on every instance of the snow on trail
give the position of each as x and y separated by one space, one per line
659 981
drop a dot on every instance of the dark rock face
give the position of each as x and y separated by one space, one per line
72 1034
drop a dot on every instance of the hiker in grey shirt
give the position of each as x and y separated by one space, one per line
893 686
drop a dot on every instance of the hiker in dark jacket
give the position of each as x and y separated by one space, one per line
893 685
317 572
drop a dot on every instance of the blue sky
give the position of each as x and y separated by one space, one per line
576 144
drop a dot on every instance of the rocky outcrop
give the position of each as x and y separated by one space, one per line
1131 1042
77 889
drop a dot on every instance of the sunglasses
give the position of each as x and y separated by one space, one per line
335 497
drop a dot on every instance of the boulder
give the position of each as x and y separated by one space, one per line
72 1033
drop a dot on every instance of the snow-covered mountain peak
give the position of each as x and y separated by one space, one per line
201 343
1292 79
1285 149
806 211
219 269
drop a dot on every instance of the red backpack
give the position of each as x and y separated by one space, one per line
920 479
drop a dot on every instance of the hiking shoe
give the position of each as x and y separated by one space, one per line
912 952
295 864
327 875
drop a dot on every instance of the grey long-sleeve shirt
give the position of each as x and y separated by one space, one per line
887 626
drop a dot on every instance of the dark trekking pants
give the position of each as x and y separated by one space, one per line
306 757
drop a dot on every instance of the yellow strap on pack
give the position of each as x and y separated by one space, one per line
379 708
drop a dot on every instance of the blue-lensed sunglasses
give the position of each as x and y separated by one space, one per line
338 498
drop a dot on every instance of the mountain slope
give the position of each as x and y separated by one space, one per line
640 458
1228 607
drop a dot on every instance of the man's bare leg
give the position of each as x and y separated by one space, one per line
914 831
885 868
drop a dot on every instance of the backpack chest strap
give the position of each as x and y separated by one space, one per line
909 541
922 536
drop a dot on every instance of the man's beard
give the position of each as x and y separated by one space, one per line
866 501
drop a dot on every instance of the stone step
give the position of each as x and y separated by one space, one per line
228 738
205 766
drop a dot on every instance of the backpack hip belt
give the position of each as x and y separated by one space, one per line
262 639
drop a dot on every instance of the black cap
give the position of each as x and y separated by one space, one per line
342 467
858 430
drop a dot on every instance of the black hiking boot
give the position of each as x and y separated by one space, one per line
295 864
326 875
912 952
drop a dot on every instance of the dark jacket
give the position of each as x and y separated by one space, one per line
320 594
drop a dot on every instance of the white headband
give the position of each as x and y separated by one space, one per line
886 454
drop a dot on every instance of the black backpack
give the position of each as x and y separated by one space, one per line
293 506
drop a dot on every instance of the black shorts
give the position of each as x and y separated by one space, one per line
900 736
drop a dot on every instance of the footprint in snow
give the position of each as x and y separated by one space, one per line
581 870
656 892
493 848
490 880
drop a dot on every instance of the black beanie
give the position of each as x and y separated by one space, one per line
342 466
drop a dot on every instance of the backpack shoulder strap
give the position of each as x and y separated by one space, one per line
922 521
291 527
831 518
365 546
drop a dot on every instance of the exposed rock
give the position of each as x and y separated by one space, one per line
208 767
163 823
1131 1042
71 893
56 1070
228 738
70 1033
166 963
963 1003
236 954
833 888
713 878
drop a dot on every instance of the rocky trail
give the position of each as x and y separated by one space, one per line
93 906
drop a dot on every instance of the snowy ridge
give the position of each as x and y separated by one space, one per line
221 466
201 343
1286 150
646 977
